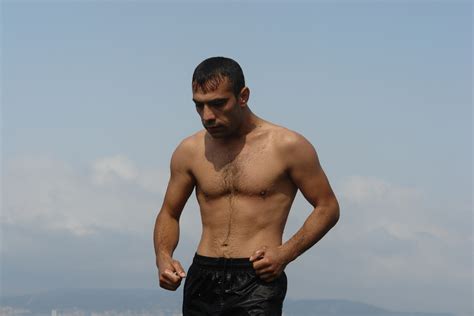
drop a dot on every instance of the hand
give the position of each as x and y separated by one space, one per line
170 273
268 262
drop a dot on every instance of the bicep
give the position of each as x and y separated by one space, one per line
307 174
180 185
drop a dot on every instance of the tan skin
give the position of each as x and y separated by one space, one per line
246 173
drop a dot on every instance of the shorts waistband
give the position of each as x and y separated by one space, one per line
222 262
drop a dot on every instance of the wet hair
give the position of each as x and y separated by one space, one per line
212 71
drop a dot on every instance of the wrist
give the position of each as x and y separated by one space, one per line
287 253
163 256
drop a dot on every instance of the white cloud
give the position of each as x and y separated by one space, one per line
111 193
109 170
395 239
105 169
393 212
390 237
60 220
404 212
371 190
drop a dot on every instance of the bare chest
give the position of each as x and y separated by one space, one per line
250 172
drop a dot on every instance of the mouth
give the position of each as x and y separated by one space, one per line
213 128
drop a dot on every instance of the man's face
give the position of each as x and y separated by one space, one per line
220 112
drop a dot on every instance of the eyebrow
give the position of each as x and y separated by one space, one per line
213 100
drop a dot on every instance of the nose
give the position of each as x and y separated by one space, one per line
208 116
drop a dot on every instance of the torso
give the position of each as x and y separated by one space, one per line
243 191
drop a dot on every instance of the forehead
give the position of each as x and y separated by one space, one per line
223 90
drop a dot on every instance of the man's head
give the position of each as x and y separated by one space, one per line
212 71
220 96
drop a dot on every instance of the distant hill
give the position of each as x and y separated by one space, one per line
156 301
343 308
93 299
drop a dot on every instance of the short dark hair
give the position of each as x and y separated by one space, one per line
212 71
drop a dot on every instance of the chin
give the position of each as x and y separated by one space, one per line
218 135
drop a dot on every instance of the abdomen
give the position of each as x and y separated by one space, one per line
237 225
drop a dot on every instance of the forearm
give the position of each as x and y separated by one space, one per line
166 235
318 223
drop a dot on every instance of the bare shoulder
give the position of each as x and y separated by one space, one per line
289 142
184 153
299 159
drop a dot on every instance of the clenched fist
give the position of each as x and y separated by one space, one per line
268 262
170 273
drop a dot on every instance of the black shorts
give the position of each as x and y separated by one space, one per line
230 287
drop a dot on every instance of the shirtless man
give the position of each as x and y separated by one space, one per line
246 172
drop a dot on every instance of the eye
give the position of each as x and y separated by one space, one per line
218 103
199 105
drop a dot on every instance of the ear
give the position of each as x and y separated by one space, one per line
244 96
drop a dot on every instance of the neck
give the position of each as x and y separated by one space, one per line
249 122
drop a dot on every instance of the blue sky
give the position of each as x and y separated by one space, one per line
96 95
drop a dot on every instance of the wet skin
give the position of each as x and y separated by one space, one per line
245 172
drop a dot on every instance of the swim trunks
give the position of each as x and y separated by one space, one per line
230 287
